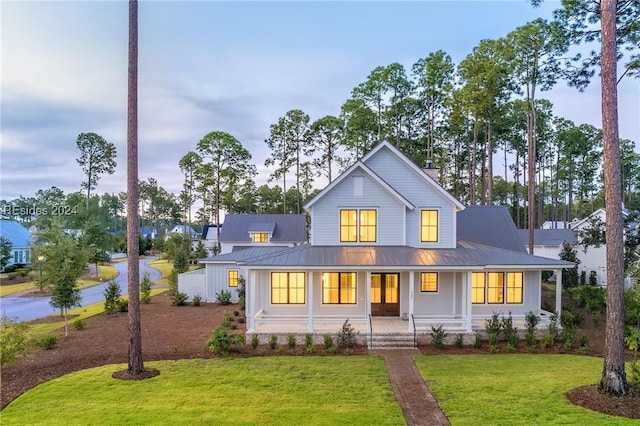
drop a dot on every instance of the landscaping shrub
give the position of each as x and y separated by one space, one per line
222 342
308 339
23 272
493 325
592 298
531 321
14 338
548 341
459 340
223 297
179 299
255 341
328 341
437 336
123 305
530 338
291 341
48 341
478 341
583 277
196 300
112 298
79 324
273 341
145 289
493 342
507 330
236 313
346 338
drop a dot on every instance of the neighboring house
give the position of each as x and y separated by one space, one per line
184 230
20 239
147 232
251 230
210 238
555 224
390 250
548 242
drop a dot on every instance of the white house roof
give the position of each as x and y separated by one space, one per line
466 255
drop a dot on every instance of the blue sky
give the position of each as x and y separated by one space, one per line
230 66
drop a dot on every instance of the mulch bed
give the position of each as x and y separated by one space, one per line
180 332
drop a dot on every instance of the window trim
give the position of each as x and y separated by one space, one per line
358 225
424 226
340 274
437 282
288 287
520 287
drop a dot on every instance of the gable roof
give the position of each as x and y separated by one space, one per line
287 228
18 235
548 237
359 165
490 226
362 164
209 232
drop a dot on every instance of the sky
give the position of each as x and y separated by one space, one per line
226 66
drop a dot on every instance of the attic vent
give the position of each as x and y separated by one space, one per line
358 186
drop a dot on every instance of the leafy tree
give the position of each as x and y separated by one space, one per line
189 165
5 252
569 275
97 157
96 241
359 130
14 338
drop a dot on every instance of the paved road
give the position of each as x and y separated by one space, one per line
30 308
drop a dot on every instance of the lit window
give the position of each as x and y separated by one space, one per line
339 287
287 287
495 287
477 287
348 225
232 275
429 226
260 237
429 282
358 226
514 287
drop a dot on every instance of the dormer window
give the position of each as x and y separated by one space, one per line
260 237
261 233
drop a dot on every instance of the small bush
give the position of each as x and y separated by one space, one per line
221 341
548 341
346 338
310 349
332 349
531 340
223 297
308 339
437 336
180 299
273 341
48 341
493 325
291 341
593 278
123 305
507 330
584 341
459 342
112 298
14 339
255 341
145 289
531 321
12 276
567 338
196 300
79 324
478 341
328 341
23 272
514 340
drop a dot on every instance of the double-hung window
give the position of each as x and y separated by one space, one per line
260 237
339 287
287 288
358 225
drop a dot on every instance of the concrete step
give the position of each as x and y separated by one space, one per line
391 341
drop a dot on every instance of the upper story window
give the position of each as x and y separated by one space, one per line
429 282
429 226
339 287
358 225
260 237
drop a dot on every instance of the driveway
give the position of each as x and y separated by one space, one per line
30 308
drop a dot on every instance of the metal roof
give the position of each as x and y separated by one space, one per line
240 254
489 225
262 227
548 237
18 235
466 255
290 228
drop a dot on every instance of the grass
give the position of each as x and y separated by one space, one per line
518 389
234 391
163 266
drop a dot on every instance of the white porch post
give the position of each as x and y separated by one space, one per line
558 294
411 298
367 302
310 301
250 296
469 299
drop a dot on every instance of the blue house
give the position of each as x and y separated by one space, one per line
20 239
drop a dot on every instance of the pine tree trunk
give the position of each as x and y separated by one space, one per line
135 366
614 379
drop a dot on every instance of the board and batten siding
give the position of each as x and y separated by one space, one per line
218 280
421 193
531 299
390 212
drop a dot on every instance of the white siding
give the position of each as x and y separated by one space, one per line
193 283
531 299
442 302
217 280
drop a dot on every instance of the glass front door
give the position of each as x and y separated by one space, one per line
385 289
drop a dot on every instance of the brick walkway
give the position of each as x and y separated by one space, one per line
418 404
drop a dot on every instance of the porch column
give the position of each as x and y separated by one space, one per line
310 281
468 298
250 297
367 310
558 294
411 299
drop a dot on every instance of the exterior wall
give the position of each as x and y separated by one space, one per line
194 283
531 299
422 195
594 259
441 303
326 213
19 256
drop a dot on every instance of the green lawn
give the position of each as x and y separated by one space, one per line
262 390
517 389
105 273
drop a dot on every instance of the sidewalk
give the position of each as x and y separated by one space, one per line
417 403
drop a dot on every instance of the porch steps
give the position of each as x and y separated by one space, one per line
390 341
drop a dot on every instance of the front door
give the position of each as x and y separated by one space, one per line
384 295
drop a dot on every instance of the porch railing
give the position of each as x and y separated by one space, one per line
415 339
